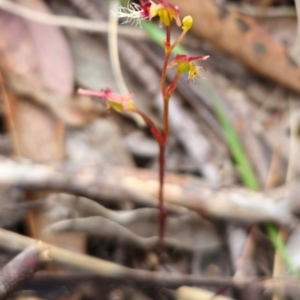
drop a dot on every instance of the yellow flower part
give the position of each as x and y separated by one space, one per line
187 23
113 100
193 71
185 63
166 13
126 105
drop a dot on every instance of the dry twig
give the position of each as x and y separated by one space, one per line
119 183
132 227
105 228
65 21
98 268
21 268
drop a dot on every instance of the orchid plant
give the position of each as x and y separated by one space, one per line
167 13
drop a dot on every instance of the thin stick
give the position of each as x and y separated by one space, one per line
141 186
106 229
162 211
65 21
113 50
279 266
104 269
21 268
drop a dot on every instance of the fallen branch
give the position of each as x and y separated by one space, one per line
98 268
92 218
104 228
66 21
21 268
88 208
139 185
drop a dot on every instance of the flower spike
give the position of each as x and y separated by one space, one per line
114 101
185 63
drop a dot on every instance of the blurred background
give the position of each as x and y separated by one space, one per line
84 179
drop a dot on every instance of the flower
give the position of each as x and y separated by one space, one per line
146 10
187 23
185 63
135 13
114 101
166 12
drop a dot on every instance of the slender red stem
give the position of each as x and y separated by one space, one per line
171 88
166 118
162 146
166 60
157 134
179 39
162 212
168 36
164 75
161 140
